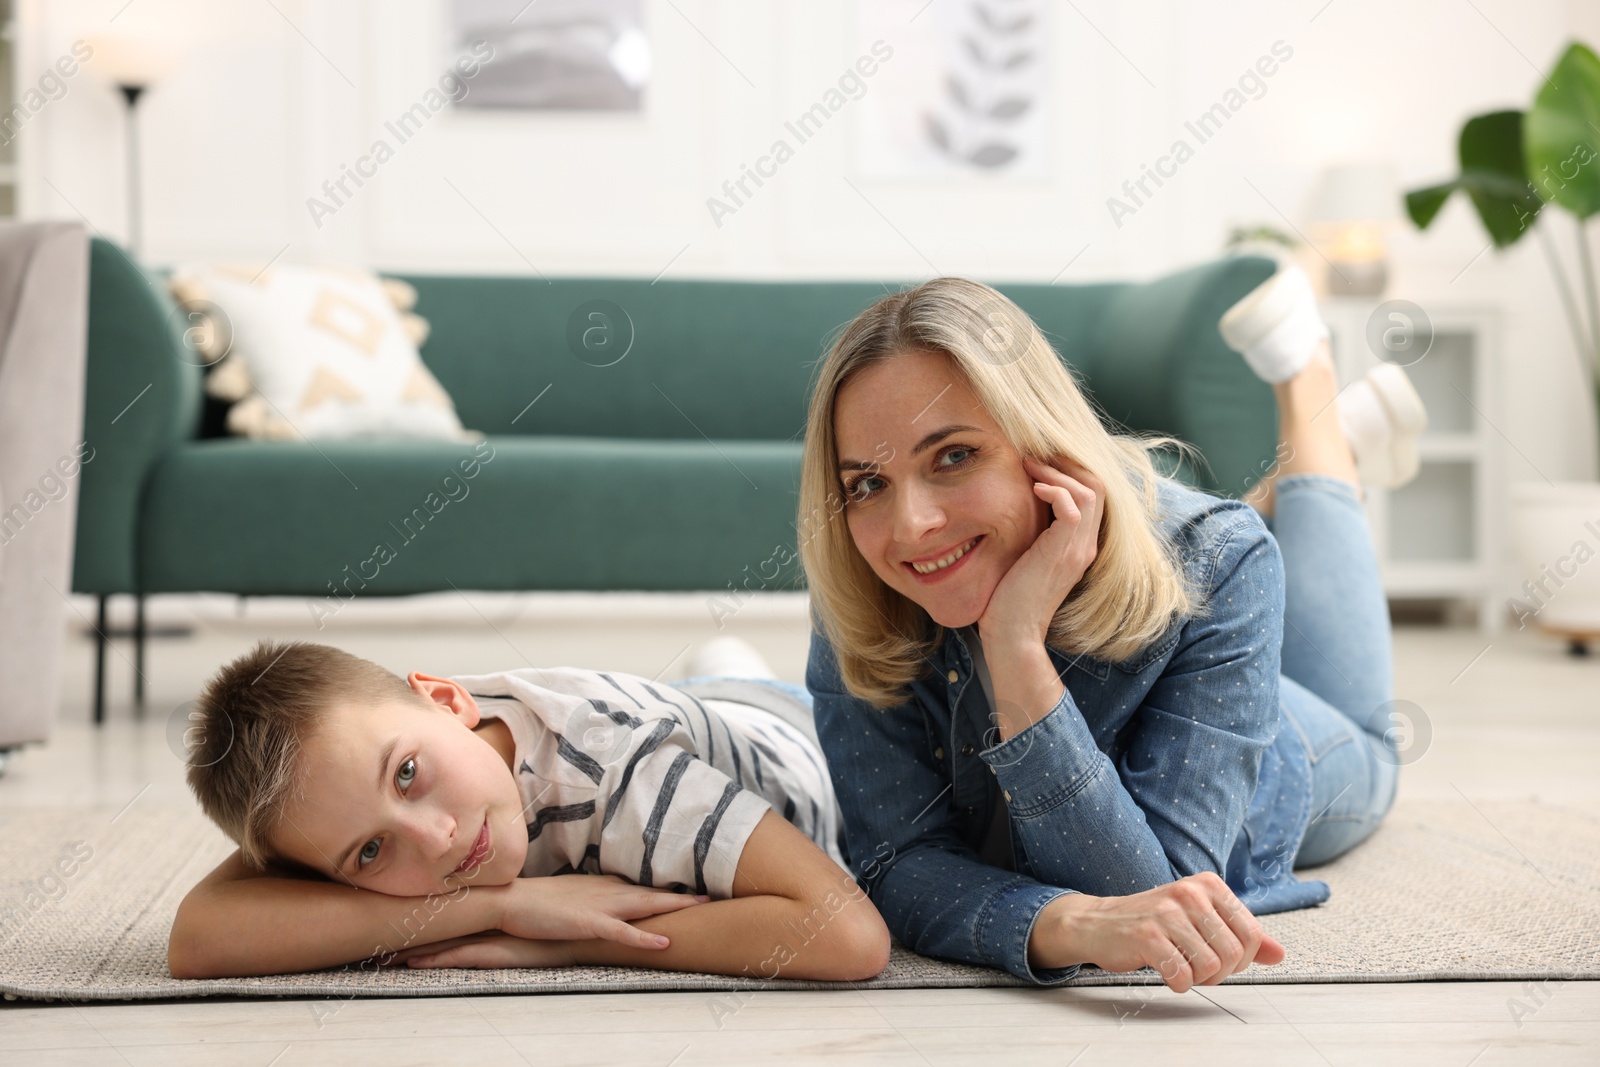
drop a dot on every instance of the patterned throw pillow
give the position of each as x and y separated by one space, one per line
315 352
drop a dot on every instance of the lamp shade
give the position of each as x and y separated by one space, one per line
131 61
1356 192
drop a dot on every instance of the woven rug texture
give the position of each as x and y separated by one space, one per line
1444 890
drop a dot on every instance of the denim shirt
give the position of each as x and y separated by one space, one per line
1147 770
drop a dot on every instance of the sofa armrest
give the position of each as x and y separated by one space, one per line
1161 366
141 397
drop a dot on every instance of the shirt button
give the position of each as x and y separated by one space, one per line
971 810
938 753
953 676
966 749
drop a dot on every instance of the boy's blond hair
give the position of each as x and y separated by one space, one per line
252 720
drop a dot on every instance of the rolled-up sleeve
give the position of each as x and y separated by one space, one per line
937 897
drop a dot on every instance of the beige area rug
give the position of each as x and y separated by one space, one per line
1444 890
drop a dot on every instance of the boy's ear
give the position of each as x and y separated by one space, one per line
447 693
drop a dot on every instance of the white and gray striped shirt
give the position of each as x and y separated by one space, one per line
621 775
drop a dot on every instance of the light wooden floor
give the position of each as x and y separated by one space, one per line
1515 719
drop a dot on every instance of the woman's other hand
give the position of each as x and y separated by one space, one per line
1194 931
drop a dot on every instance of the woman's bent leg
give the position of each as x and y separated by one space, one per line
1336 636
1353 775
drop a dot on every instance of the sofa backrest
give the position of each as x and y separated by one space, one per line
670 359
722 359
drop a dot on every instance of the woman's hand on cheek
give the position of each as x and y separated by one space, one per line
1027 598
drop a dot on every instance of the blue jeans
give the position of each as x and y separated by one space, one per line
1338 671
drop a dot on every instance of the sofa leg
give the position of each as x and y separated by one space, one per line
139 633
100 664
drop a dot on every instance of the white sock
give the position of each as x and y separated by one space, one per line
1276 326
729 657
1364 421
1382 416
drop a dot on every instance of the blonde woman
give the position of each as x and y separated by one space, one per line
1076 712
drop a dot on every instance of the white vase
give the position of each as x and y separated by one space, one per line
1556 530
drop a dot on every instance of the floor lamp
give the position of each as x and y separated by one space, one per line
132 65
131 94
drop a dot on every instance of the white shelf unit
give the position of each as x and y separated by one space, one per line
1438 536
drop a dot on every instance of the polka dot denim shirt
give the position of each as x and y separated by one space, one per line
1148 770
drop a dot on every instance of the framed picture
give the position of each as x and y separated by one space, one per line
968 92
555 55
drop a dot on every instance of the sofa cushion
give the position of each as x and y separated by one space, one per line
325 347
509 513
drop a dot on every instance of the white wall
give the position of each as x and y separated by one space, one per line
270 104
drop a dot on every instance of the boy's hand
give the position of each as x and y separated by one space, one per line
489 950
584 907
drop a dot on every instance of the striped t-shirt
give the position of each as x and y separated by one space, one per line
624 776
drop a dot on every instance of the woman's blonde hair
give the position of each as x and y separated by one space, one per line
1131 592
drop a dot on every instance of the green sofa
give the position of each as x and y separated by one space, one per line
672 468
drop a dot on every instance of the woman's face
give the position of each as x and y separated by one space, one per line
937 500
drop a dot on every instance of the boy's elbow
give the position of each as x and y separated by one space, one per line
183 960
861 948
186 955
182 967
878 955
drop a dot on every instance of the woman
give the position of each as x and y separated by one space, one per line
1075 711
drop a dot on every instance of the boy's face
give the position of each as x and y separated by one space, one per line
396 796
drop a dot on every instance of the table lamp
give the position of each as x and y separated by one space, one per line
1352 207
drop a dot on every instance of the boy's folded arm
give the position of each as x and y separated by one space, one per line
237 922
795 912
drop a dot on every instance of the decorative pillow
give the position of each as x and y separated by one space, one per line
315 351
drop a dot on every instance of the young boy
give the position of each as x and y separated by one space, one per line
531 818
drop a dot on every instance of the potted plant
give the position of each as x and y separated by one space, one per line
1514 164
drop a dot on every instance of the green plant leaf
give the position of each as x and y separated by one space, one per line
1492 176
1423 204
1562 131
